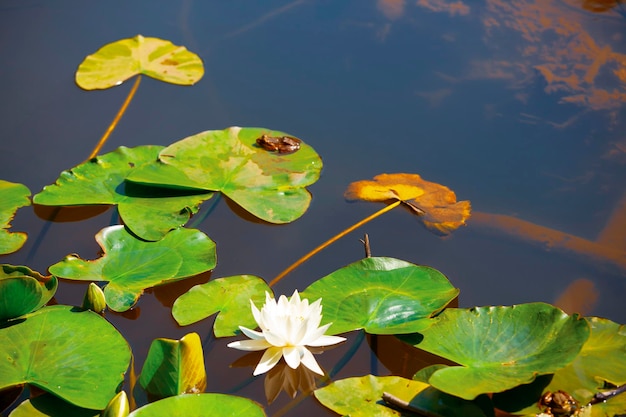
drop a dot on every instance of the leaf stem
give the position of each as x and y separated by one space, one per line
333 240
603 396
398 403
116 120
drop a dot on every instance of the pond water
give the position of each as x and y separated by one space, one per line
516 106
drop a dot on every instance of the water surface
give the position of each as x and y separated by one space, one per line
516 106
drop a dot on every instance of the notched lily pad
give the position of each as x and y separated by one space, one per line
150 212
116 62
23 290
269 185
434 203
12 197
75 355
381 295
230 296
131 265
499 348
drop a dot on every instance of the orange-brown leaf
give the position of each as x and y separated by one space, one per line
441 212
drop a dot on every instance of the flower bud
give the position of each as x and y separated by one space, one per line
94 299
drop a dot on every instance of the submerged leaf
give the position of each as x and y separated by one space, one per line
116 62
499 348
12 197
230 296
267 184
23 290
150 212
382 296
434 203
76 355
174 367
132 265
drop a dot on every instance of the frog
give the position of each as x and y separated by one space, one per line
281 144
559 404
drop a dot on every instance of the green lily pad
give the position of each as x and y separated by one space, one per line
116 62
12 197
23 290
131 265
600 361
499 348
382 296
75 355
362 396
201 405
174 367
230 296
150 212
267 184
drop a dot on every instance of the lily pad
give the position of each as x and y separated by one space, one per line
12 197
116 62
131 265
499 348
381 295
201 405
230 296
435 204
150 212
362 396
75 355
269 185
23 290
174 367
599 362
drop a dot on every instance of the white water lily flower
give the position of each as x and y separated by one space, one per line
287 328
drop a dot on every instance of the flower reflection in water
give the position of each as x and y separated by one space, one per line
283 378
288 328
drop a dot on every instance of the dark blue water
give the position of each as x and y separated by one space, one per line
518 108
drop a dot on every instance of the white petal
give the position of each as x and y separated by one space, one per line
257 315
309 361
295 297
252 334
275 331
275 339
314 334
326 341
299 332
250 345
268 361
292 356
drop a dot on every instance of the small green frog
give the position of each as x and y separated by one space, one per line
282 144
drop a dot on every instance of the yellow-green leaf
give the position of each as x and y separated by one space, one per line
116 62
174 367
